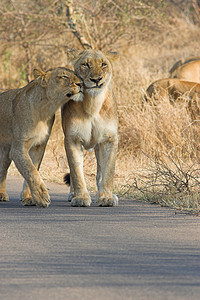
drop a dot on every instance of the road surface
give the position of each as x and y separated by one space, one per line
133 251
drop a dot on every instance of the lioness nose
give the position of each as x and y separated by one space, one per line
96 80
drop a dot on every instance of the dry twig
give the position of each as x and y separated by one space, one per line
69 13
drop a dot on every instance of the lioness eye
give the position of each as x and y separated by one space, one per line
65 77
85 65
104 64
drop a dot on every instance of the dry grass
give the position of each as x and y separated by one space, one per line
167 182
156 146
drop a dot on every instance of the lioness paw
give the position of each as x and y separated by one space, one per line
81 201
28 201
4 197
107 201
41 197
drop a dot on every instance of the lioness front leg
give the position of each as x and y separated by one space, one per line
74 153
36 154
39 193
4 165
106 157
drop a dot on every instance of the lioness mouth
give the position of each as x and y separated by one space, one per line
95 87
70 94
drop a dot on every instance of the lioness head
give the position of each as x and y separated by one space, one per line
94 68
61 84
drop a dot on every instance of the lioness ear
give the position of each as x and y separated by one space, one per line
73 55
38 73
112 56
40 76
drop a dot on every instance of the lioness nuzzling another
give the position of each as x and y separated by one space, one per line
26 119
92 123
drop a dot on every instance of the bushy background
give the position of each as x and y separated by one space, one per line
158 154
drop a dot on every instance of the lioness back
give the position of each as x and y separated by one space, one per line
182 62
189 71
6 99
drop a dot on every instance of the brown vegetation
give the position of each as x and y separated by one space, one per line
150 37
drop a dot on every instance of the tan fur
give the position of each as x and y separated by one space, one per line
189 71
175 90
26 119
92 123
182 62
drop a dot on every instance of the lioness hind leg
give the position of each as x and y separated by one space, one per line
81 200
70 196
4 196
68 180
25 195
99 173
5 162
105 200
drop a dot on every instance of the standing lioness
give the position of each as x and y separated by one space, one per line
26 119
92 123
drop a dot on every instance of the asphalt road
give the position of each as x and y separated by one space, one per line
133 251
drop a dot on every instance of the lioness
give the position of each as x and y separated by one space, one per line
182 62
26 119
189 71
172 88
92 123
175 89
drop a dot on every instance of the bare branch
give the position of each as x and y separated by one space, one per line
69 13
